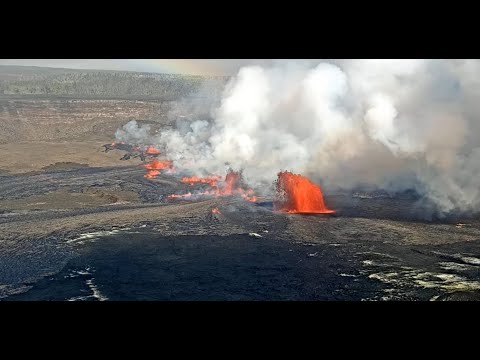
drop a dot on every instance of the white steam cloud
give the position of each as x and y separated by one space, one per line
392 124
131 133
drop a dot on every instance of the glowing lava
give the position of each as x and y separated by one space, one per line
232 182
152 174
154 166
152 150
297 194
210 180
183 196
231 186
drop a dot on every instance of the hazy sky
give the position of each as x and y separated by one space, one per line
186 66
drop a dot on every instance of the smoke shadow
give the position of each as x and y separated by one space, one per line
392 208
268 205
382 208
265 204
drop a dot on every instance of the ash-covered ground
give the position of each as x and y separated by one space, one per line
73 232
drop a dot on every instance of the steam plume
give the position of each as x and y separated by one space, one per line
390 124
131 133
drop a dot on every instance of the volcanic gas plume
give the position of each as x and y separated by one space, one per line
297 194
392 125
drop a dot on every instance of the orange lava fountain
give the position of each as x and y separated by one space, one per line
232 186
297 194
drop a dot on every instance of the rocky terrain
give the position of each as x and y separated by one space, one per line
84 233
72 119
60 115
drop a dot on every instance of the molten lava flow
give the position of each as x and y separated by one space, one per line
151 174
154 166
215 211
297 194
152 150
231 186
249 196
175 196
210 180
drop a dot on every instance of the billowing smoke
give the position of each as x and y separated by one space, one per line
131 133
389 124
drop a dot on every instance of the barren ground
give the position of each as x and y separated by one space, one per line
96 233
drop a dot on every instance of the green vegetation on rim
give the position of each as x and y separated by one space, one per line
19 80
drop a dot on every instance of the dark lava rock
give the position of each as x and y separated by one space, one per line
460 296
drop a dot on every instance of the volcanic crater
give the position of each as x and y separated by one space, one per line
79 224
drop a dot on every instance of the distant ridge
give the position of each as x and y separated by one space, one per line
47 81
29 69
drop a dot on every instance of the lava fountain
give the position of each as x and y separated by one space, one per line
232 185
297 194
